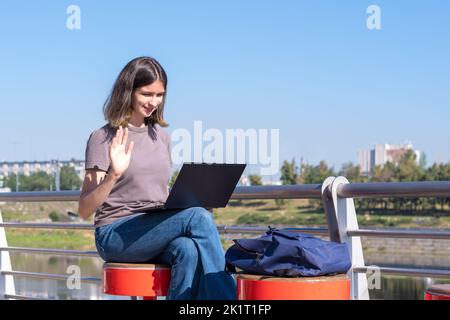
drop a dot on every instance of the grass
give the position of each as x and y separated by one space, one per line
298 213
55 239
35 211
265 212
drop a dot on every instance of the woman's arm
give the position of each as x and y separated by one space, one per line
96 187
97 184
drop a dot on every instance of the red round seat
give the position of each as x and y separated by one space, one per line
438 292
136 279
257 287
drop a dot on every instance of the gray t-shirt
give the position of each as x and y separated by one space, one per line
145 183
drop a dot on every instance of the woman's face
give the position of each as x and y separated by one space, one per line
146 99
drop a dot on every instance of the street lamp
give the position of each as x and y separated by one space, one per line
56 175
17 178
18 167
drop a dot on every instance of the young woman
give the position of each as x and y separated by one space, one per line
128 168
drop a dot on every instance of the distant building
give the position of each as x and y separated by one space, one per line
383 153
272 183
365 160
50 167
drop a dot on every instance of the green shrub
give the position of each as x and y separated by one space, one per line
54 216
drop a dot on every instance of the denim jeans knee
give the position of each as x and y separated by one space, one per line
202 220
183 248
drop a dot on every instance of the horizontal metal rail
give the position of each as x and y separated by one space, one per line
297 191
60 252
40 196
436 273
27 225
395 189
51 276
20 297
259 230
416 234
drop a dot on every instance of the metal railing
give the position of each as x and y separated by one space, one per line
336 194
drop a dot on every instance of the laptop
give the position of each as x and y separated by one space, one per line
208 185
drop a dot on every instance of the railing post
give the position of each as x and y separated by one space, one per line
6 281
343 210
327 200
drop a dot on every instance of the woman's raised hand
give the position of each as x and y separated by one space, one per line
120 159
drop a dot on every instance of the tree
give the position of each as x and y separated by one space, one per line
10 182
255 180
37 181
408 169
69 178
439 172
316 174
386 173
289 172
423 160
351 172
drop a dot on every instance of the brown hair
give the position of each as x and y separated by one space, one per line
138 72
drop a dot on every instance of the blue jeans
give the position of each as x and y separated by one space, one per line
187 240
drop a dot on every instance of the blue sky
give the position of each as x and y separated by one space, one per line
311 69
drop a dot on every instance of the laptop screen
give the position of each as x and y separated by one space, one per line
204 185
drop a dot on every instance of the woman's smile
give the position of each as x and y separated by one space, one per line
149 110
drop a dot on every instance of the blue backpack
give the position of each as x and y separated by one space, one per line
291 254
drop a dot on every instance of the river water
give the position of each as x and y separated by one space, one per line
390 287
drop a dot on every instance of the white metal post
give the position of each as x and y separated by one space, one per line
6 281
333 228
347 220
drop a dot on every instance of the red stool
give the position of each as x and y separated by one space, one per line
438 292
136 280
257 287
